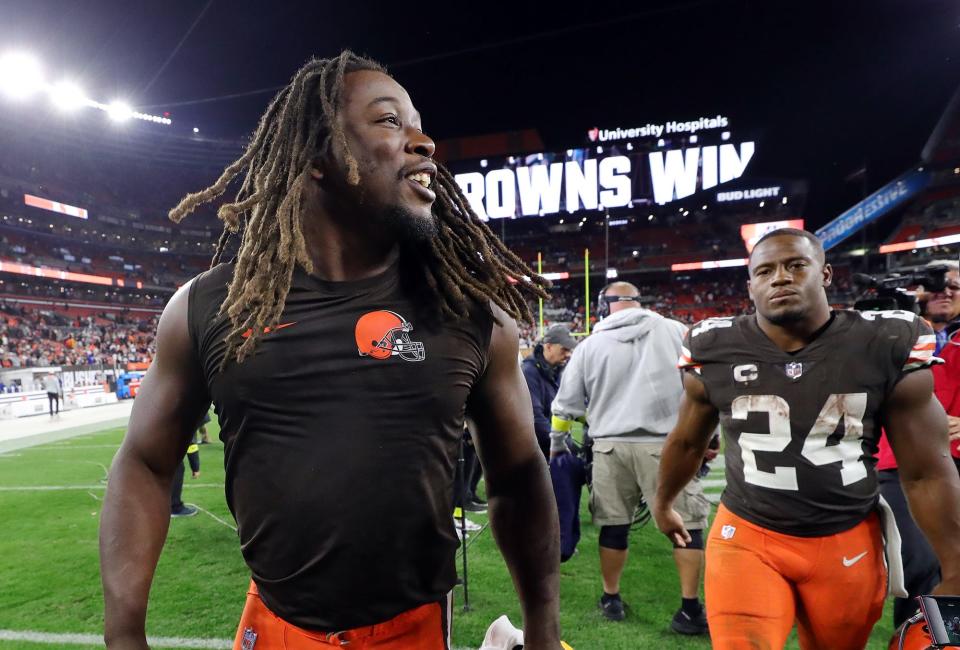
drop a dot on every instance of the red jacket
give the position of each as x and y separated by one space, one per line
946 386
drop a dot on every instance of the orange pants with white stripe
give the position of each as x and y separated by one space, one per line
758 583
426 627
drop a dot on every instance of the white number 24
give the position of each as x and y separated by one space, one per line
849 406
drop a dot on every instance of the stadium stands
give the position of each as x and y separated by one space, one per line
139 257
44 336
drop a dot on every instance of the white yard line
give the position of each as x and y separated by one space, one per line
55 446
97 640
216 518
101 466
58 488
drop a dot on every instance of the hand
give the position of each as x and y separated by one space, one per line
196 475
953 428
670 523
710 454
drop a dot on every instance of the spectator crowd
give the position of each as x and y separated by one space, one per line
43 337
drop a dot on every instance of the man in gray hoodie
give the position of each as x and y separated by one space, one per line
627 373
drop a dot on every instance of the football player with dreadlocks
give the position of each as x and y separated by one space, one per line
366 311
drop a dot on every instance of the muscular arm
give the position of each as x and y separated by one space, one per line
682 455
136 509
523 511
917 429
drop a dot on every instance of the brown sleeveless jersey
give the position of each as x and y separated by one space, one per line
341 435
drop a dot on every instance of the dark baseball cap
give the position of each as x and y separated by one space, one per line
559 334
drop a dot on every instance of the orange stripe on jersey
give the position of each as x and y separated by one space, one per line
686 360
921 355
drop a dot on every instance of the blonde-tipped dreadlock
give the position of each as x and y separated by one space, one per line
465 260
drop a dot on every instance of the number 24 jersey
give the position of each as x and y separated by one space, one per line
801 428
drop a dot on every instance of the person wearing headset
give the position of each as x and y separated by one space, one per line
627 373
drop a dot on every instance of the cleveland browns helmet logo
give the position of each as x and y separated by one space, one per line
384 334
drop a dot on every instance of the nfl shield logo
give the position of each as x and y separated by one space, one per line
249 639
728 531
794 369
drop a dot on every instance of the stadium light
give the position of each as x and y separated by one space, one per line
119 111
196 130
20 75
67 96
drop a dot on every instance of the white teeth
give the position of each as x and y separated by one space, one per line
421 177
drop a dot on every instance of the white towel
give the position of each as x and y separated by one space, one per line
502 635
891 551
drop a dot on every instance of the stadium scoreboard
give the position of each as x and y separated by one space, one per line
644 165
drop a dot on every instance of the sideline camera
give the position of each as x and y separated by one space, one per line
891 292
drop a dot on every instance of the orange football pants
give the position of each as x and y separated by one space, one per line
425 627
758 583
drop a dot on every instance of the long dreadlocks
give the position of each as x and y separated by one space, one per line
464 261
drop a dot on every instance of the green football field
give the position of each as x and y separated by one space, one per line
50 500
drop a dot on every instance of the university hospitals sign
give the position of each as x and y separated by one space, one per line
657 130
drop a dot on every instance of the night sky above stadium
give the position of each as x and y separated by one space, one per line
826 87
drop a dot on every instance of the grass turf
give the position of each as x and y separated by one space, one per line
50 576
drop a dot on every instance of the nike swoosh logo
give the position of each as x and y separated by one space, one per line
853 560
267 330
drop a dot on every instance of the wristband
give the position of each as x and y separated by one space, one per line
558 442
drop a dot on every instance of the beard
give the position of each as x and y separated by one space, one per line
787 316
399 220
409 227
